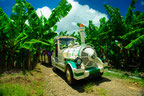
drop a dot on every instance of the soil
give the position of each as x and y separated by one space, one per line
56 85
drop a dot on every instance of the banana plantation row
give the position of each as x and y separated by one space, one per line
118 41
20 43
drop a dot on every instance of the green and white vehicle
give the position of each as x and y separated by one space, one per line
77 61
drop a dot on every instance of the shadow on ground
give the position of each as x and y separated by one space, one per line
46 64
79 85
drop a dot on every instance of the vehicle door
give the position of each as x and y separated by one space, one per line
62 46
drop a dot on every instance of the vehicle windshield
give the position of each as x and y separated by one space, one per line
66 42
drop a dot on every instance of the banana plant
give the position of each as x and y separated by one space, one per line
45 31
4 36
127 31
63 33
22 41
42 33
112 35
97 36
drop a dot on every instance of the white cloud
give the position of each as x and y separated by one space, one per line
78 14
26 22
73 23
44 10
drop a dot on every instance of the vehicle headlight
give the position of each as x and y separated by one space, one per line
78 61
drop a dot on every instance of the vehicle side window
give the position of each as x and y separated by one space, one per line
63 44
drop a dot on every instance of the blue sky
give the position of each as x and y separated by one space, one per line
6 5
82 11
121 4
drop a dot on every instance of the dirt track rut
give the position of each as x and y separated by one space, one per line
55 85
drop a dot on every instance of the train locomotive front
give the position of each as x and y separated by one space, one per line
77 61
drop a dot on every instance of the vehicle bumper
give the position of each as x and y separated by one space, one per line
84 73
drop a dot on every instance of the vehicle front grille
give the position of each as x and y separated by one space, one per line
86 61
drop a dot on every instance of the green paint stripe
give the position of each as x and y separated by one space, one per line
79 74
79 50
105 67
93 70
72 63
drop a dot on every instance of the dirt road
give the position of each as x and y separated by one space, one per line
55 85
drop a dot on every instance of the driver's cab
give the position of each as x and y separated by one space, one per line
62 43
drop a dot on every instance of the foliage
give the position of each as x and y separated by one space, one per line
118 40
20 43
28 83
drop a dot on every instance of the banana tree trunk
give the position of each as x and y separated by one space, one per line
19 60
141 59
10 60
28 59
125 58
107 58
3 59
49 58
35 59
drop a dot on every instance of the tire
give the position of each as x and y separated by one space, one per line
69 76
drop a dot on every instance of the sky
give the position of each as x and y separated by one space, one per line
82 10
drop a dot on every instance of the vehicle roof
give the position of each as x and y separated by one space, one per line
65 37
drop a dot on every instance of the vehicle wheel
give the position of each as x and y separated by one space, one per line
69 76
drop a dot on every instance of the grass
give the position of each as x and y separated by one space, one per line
139 82
89 87
14 90
101 92
29 83
131 73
